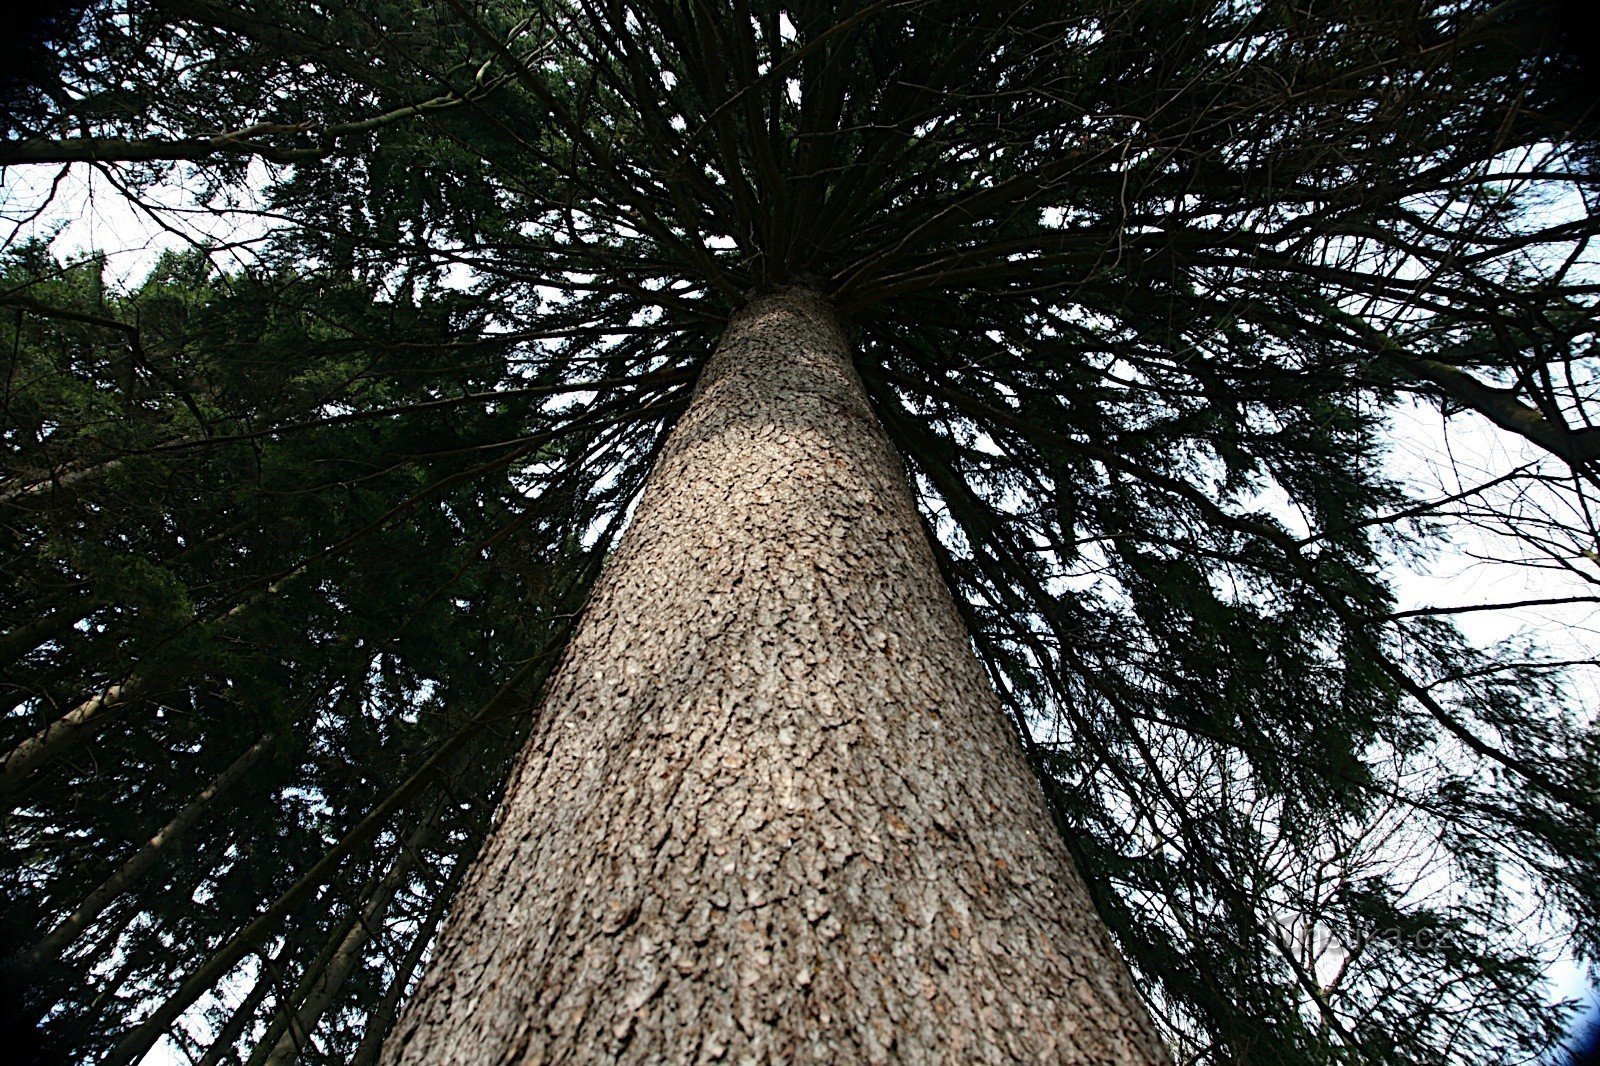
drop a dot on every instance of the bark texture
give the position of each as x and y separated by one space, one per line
774 812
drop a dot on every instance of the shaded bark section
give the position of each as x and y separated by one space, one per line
775 811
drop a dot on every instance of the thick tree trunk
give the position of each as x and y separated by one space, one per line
774 811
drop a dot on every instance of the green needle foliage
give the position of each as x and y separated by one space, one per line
1136 288
258 508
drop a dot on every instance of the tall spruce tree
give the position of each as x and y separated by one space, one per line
1117 297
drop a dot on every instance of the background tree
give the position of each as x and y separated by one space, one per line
1133 288
252 569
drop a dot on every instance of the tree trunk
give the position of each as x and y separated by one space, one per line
244 1014
321 986
65 733
774 811
52 626
62 936
74 728
379 1021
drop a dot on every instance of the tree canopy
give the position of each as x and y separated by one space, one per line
1135 288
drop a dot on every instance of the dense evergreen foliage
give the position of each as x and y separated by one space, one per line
240 512
1134 287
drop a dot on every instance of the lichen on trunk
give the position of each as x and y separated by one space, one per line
773 810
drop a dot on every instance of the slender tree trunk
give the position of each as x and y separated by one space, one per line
774 812
382 1016
222 1044
322 990
65 733
62 936
57 623
20 491
74 728
286 1004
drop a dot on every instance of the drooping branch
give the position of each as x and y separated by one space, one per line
1580 447
246 141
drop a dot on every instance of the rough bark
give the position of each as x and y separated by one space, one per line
774 811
